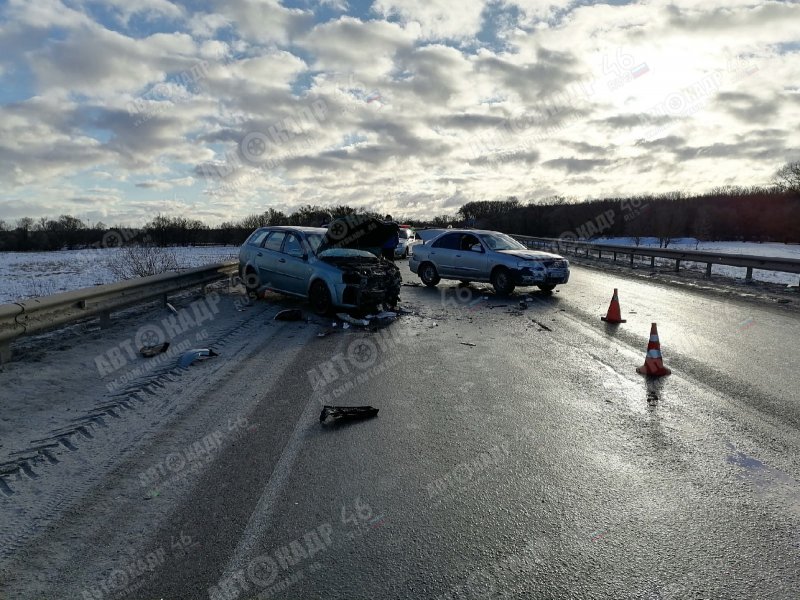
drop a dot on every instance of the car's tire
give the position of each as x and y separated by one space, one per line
251 280
546 287
320 298
405 253
502 282
428 274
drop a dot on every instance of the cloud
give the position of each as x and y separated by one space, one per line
437 19
577 165
422 106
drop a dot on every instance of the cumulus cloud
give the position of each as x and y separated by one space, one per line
406 107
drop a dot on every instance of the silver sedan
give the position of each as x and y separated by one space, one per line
488 256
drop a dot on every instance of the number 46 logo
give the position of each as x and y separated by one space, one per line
622 63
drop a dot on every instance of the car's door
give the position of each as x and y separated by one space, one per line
292 268
470 261
267 259
443 252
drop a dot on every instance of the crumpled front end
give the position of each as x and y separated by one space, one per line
366 284
550 271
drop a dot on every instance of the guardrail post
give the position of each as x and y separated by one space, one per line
615 256
708 270
5 352
632 255
749 276
677 264
105 319
653 262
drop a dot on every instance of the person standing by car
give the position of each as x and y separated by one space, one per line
388 248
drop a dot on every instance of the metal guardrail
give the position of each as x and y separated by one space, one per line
748 261
35 315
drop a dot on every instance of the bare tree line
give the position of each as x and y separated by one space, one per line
729 213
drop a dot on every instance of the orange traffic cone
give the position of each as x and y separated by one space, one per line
653 363
614 315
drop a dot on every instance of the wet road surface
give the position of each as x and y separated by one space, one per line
517 454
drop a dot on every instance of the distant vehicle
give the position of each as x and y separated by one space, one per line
407 239
488 256
331 267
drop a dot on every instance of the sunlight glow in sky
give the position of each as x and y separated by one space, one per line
115 110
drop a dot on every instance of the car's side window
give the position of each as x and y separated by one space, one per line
274 241
468 241
449 241
257 238
292 246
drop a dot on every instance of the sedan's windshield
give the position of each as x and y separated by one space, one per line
499 241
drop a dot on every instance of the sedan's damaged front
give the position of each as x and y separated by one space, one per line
367 281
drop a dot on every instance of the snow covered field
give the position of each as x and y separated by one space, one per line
29 274
771 249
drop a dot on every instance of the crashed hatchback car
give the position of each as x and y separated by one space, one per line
490 256
337 267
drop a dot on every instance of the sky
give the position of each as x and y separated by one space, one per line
117 110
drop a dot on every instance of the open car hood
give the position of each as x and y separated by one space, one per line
357 232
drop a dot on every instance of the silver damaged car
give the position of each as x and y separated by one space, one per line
489 256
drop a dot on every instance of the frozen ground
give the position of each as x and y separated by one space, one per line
771 249
31 274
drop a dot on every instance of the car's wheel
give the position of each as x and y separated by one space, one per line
546 287
502 282
320 298
405 253
428 274
251 280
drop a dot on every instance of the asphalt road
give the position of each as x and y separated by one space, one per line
517 454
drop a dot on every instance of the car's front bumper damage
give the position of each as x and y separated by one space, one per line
367 285
529 276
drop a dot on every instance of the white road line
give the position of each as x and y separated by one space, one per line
263 512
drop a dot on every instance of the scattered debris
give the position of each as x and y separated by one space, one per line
172 308
150 351
412 284
498 305
328 331
290 314
523 305
352 320
542 325
347 412
191 356
468 344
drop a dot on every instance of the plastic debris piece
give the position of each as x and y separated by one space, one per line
290 314
347 412
468 344
345 325
172 308
190 356
352 320
150 351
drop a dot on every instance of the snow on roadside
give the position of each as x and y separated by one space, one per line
770 249
31 274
